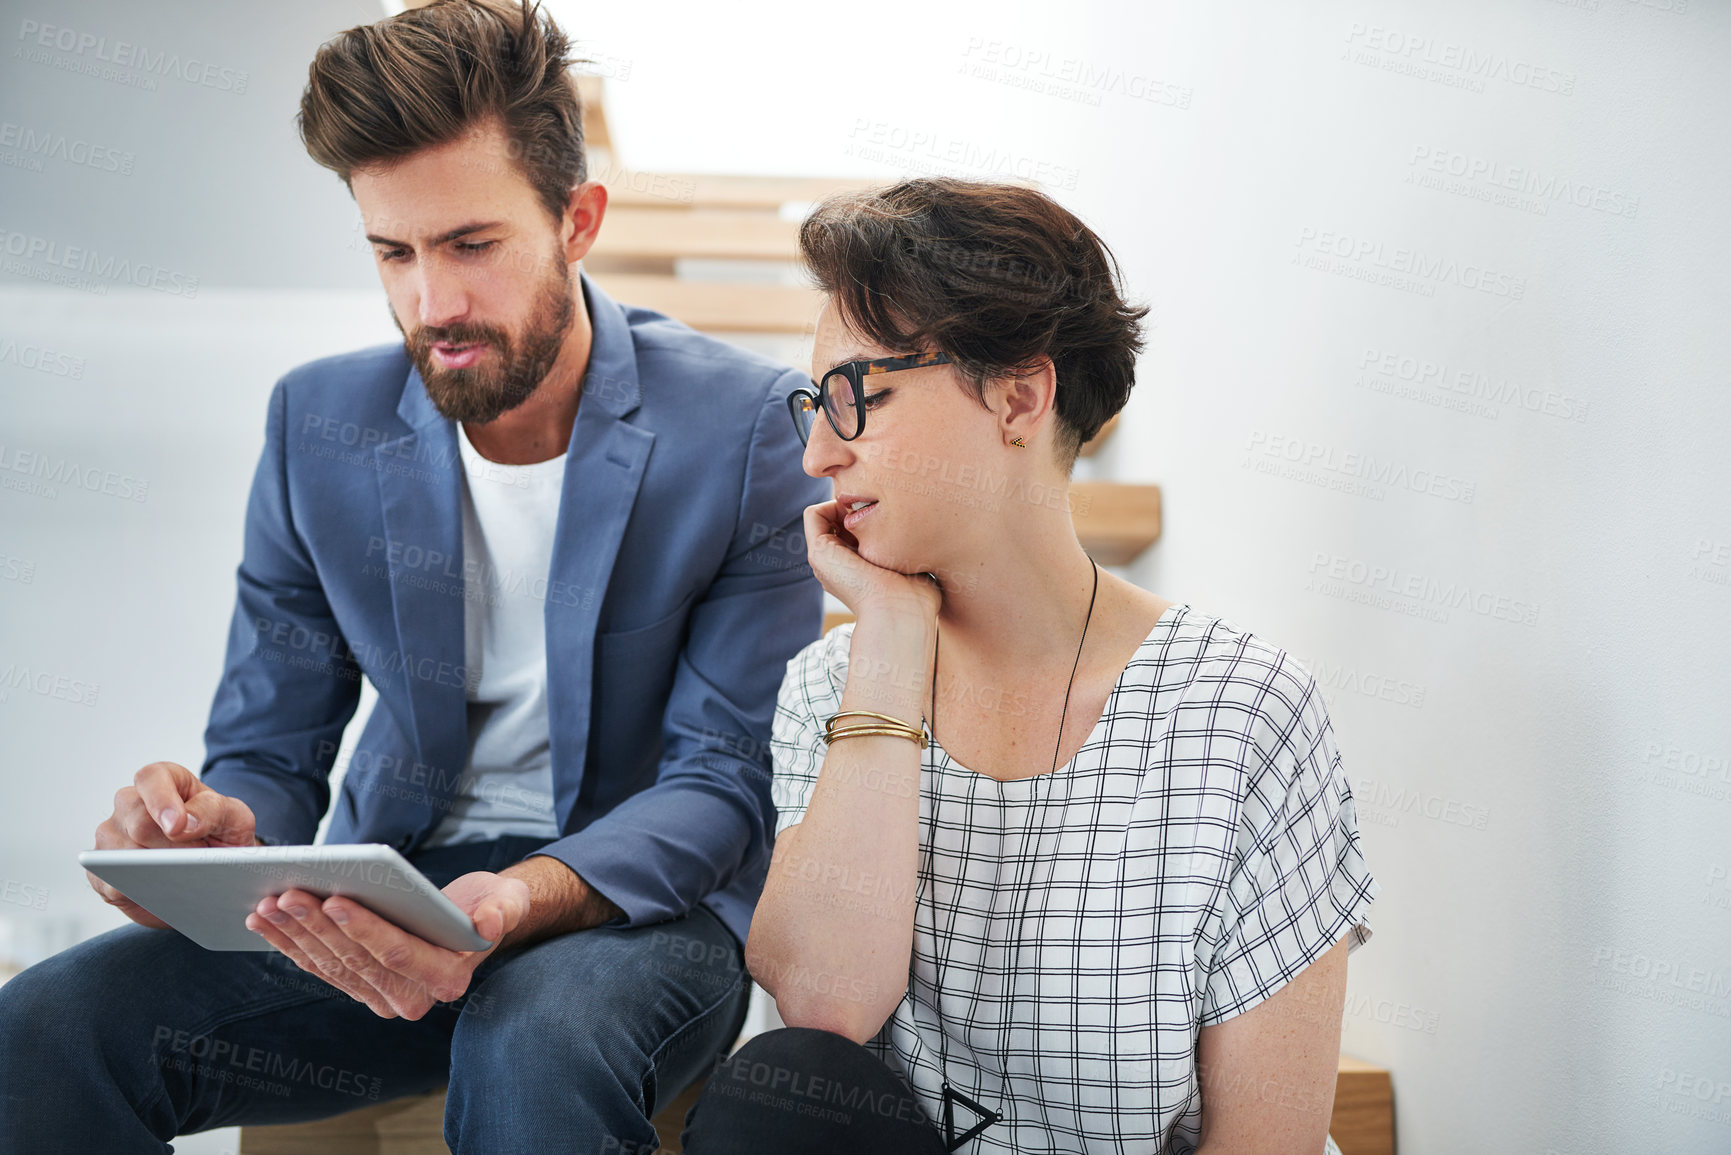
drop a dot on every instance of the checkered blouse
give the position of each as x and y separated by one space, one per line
1199 851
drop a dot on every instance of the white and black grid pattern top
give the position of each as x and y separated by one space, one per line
1200 850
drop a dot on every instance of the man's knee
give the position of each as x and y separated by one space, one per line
94 1000
50 995
500 1022
24 1004
57 1013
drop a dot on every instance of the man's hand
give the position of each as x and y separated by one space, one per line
398 974
167 805
395 973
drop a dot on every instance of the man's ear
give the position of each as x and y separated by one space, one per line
580 224
1027 401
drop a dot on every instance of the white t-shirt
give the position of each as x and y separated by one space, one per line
1199 851
509 514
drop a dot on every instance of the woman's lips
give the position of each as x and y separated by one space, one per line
854 517
458 356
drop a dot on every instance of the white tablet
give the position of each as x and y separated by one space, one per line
206 892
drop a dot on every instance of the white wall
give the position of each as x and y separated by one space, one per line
1545 804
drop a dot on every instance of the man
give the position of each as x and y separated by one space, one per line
553 532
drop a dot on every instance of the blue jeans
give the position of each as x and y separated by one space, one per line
570 1045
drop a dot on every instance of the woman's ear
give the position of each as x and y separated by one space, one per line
1029 401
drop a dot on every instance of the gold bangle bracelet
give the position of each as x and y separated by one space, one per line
907 732
917 733
830 725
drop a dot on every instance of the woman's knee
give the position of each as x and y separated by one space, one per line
794 1048
798 1089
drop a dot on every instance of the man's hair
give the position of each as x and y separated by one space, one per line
996 275
381 92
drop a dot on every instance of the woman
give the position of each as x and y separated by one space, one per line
1075 868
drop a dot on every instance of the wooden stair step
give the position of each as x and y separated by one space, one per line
1362 1123
1363 1119
671 190
718 306
411 1126
720 234
1115 521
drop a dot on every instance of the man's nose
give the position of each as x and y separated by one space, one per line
444 297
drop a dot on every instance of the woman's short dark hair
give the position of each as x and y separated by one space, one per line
996 275
381 92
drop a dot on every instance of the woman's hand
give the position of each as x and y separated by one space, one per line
862 586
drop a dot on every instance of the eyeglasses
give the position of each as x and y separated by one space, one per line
841 393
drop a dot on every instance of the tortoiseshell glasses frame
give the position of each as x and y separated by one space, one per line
841 393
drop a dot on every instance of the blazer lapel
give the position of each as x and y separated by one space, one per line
419 479
603 472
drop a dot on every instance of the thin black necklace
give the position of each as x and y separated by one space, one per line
951 1096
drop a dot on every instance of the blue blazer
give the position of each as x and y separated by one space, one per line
678 591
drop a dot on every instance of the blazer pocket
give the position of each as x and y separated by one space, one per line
653 629
634 671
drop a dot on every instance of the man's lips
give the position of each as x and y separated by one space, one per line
458 354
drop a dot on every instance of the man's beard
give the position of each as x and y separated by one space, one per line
482 392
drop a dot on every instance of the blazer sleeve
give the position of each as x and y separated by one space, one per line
709 814
289 682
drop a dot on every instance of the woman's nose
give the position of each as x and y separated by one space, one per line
824 451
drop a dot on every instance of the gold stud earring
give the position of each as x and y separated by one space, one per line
1018 442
